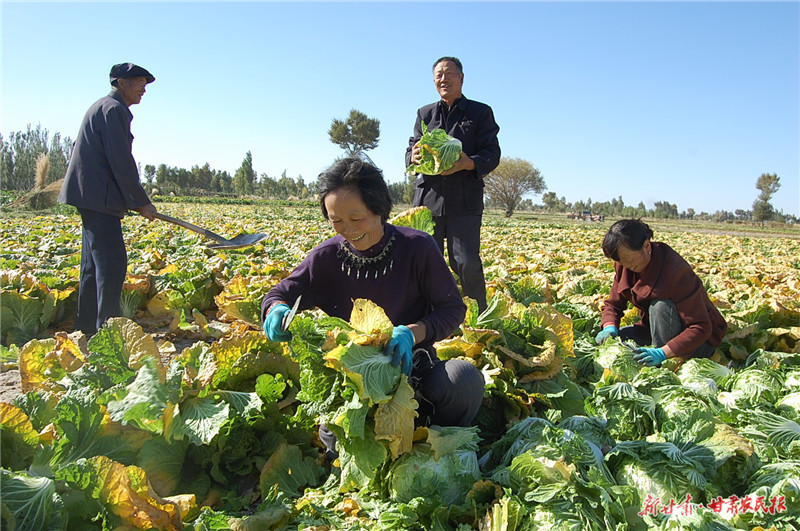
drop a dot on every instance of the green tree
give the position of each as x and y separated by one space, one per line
762 211
26 148
410 189
149 174
553 203
6 162
162 176
526 205
616 207
286 186
511 180
665 209
60 152
267 186
722 216
762 208
202 177
183 177
222 182
550 201
23 149
356 134
582 206
311 188
396 192
245 177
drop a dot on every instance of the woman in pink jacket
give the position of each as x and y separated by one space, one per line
678 318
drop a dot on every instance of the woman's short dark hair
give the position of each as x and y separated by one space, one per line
359 175
632 233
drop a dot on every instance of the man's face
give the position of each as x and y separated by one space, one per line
131 89
448 81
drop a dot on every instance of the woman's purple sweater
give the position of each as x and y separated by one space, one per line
411 282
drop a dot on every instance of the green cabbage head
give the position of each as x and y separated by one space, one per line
439 152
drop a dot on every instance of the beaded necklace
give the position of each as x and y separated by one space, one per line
365 267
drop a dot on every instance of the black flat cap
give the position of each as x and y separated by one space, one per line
128 70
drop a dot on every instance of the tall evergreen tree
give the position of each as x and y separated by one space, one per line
245 177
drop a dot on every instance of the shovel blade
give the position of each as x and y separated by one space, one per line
242 240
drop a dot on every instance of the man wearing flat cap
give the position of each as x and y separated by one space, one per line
102 182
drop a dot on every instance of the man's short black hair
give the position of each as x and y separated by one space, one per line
359 175
632 233
453 60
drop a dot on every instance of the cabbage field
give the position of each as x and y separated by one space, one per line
183 415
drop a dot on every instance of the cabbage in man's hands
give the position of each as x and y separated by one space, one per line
439 152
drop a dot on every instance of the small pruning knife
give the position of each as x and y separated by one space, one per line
289 317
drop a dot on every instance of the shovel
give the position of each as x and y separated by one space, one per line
242 240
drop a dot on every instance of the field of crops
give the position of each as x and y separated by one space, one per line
182 415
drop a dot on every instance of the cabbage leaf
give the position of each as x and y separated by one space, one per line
32 503
419 218
439 152
448 478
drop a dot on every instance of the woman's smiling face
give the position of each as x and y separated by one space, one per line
351 218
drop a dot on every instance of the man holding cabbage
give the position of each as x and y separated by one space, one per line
453 148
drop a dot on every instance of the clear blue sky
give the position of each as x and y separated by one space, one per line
678 101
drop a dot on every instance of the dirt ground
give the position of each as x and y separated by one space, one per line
9 386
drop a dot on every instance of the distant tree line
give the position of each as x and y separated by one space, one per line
204 181
20 152
616 208
762 211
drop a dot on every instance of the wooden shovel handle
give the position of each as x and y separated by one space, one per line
194 228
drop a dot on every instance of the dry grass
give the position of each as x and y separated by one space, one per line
42 171
45 198
35 200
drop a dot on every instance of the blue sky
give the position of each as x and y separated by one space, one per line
685 102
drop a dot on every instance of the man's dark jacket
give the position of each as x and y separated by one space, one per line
102 174
461 193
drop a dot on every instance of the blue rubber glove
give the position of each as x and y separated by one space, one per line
605 333
649 356
401 348
273 324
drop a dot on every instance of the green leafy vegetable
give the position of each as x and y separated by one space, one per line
446 474
630 414
31 501
419 218
439 152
